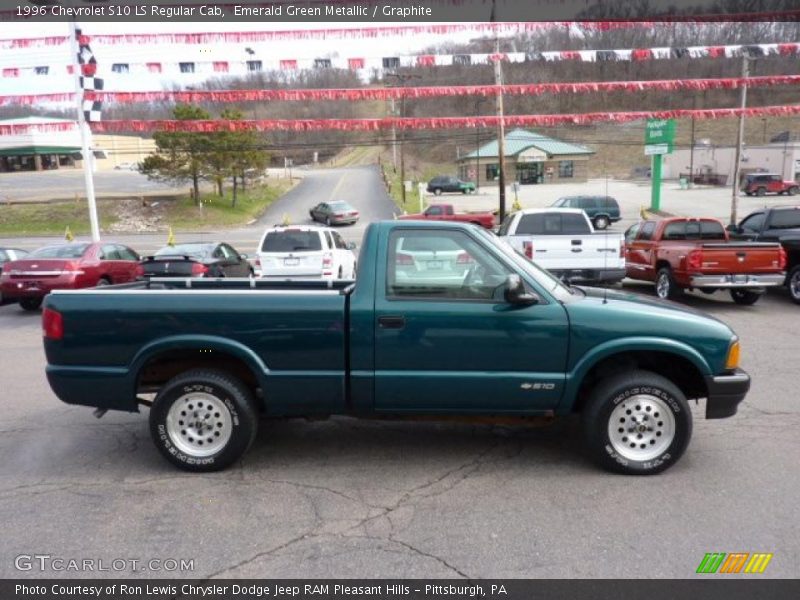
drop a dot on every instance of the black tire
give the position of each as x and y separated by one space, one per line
103 281
793 190
327 221
761 191
744 297
748 193
601 223
793 284
226 390
341 273
30 304
650 391
708 291
437 191
671 290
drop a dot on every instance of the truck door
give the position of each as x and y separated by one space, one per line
639 259
446 340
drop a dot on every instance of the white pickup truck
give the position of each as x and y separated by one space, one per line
563 241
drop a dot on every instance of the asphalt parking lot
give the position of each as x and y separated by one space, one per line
345 498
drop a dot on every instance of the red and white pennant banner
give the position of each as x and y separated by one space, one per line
356 94
298 125
251 37
243 67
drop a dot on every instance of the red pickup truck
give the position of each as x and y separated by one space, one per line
446 212
685 253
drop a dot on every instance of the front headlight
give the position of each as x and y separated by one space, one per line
732 361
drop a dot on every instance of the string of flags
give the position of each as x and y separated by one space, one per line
96 98
358 63
389 123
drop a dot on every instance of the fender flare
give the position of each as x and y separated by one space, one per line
618 346
198 342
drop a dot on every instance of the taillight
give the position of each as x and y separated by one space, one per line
327 261
338 216
72 267
695 259
528 249
52 324
403 259
464 258
199 270
782 259
257 262
139 271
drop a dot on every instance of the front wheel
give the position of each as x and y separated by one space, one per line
793 283
437 192
793 191
761 192
30 304
745 297
637 423
666 288
203 420
327 221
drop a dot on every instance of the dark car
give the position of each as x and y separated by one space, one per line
446 183
334 213
602 210
69 266
762 184
197 259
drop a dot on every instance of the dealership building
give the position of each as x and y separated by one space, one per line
530 158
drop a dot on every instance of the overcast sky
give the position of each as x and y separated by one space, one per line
59 56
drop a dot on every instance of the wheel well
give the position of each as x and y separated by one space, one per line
662 264
680 371
164 366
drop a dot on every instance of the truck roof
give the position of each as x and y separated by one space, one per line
551 209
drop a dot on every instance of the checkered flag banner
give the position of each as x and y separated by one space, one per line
88 78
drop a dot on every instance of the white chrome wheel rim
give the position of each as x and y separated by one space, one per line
641 428
662 287
199 424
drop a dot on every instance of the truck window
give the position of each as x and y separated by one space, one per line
506 225
785 219
753 223
448 210
442 265
630 235
711 230
339 241
675 231
572 224
531 224
647 231
434 211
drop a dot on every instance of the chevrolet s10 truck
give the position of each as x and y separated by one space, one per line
444 321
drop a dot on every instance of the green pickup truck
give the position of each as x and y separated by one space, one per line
445 321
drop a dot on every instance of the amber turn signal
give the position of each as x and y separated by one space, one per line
732 362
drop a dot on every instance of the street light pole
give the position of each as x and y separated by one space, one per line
402 78
739 141
501 134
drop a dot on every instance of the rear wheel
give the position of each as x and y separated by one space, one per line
327 221
745 297
793 190
793 283
761 191
103 281
437 191
30 304
203 420
666 288
637 423
708 291
601 222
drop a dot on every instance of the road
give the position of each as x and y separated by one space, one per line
360 186
347 498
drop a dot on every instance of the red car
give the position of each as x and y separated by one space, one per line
761 184
66 267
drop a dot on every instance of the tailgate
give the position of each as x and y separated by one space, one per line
598 251
741 258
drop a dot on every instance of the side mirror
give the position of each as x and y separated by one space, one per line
243 256
515 292
351 245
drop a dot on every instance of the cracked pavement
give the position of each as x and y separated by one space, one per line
346 498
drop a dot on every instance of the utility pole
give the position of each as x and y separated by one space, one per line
739 141
691 148
88 157
394 137
402 78
501 134
478 148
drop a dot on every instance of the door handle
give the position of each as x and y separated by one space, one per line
392 321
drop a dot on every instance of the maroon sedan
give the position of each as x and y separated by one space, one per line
67 267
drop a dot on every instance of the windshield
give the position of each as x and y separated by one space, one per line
340 206
67 251
193 250
292 241
551 283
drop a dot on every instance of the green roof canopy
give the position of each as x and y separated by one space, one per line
32 150
520 140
